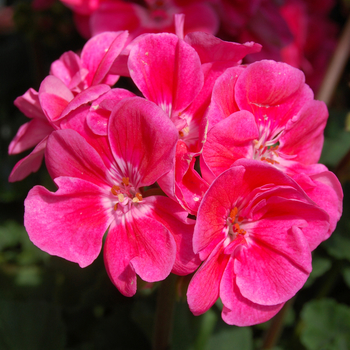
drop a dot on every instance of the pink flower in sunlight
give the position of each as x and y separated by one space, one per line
178 74
100 187
47 109
255 231
73 82
272 117
94 63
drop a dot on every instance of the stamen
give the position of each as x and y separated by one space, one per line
121 197
115 190
233 214
138 196
115 206
125 181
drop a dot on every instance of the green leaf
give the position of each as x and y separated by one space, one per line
338 245
319 267
30 326
326 325
346 276
232 338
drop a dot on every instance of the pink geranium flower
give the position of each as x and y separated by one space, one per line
100 185
273 118
178 74
255 231
73 82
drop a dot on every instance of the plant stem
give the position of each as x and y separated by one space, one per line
273 333
164 314
336 66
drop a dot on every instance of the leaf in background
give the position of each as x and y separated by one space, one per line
319 267
346 276
232 338
326 325
31 326
338 245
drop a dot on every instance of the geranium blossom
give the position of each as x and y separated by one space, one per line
273 118
178 74
73 82
100 190
255 231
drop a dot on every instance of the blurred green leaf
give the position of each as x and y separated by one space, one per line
319 267
326 325
232 338
335 149
346 275
338 245
31 326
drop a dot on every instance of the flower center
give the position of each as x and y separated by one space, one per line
126 195
233 222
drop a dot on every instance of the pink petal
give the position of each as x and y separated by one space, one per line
174 218
30 164
142 139
69 223
304 133
68 69
214 210
238 310
86 96
167 71
54 96
203 290
271 270
229 140
272 89
101 108
69 154
118 251
155 245
29 104
99 53
213 49
29 135
223 101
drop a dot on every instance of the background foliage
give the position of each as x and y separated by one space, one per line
49 303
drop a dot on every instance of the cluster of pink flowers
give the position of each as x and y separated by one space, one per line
297 32
234 146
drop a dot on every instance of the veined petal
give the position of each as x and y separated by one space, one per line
69 223
229 140
29 164
142 139
101 108
167 71
174 218
29 104
155 246
208 276
304 133
86 96
54 97
267 276
99 53
238 310
118 251
69 154
29 135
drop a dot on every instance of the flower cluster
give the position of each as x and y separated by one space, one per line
297 32
233 146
